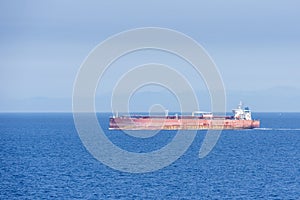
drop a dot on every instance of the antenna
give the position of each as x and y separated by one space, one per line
240 105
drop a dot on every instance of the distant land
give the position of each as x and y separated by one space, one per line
277 99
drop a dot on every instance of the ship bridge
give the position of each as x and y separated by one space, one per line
241 113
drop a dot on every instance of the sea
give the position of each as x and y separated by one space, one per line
42 157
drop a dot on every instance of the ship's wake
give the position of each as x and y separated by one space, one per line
278 129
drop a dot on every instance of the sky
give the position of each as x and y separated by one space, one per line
255 45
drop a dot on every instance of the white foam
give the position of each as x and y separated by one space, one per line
278 129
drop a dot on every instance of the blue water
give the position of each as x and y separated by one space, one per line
41 157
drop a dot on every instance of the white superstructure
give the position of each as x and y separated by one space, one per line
241 113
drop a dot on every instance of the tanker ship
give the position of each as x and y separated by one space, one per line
198 120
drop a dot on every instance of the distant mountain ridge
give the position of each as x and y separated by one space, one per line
276 99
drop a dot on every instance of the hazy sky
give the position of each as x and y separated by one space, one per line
255 44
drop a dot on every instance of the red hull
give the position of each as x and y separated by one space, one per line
176 123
